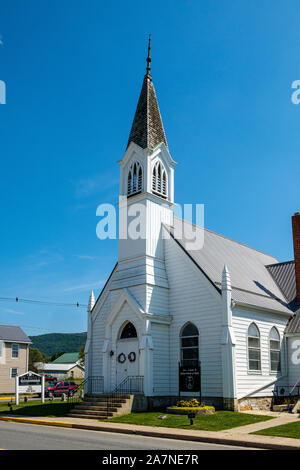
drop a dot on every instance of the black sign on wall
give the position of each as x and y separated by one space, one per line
190 379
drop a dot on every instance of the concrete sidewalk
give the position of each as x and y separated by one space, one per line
236 436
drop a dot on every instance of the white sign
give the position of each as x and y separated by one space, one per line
30 382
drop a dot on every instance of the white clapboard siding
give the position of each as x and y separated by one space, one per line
157 300
293 359
97 338
248 381
193 298
161 359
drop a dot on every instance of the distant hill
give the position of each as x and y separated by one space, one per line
52 343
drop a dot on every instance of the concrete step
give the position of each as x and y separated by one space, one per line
106 395
74 415
105 399
95 413
96 408
102 406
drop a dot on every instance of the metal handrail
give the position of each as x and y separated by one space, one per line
297 385
131 383
94 384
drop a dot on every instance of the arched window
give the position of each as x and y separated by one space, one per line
275 350
254 348
159 180
128 331
189 345
135 179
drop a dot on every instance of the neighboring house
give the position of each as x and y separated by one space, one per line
67 365
232 307
14 355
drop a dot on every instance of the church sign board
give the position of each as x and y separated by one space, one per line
190 379
30 382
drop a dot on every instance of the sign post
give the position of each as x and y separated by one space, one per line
30 382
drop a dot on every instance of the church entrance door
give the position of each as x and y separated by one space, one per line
127 356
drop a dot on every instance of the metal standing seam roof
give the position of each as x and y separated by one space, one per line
13 334
67 358
251 281
284 275
59 367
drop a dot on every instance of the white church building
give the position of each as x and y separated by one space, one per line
231 308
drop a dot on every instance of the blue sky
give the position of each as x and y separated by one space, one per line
222 70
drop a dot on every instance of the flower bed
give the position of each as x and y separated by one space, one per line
198 410
183 407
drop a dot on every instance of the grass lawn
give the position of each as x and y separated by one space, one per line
217 422
37 408
285 430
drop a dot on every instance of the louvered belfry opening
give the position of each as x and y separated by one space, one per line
159 180
135 179
296 239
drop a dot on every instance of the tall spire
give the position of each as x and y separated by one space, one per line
147 129
91 302
149 58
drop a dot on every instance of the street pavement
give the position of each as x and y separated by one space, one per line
19 436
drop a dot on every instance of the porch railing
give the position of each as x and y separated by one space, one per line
128 386
131 384
95 385
89 385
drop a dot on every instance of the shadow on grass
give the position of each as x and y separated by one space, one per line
47 409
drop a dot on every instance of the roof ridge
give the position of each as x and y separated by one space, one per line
12 326
228 238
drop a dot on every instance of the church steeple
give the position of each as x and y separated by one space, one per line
147 129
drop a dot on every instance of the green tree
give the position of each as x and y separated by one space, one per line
56 355
35 356
81 355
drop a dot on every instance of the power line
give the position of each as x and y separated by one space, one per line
42 302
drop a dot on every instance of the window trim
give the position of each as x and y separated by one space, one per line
11 369
18 346
135 338
188 347
279 371
253 371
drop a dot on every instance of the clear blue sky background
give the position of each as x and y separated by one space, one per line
223 71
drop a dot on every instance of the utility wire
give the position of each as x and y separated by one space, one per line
42 302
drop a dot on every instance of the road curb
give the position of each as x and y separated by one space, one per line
138 432
37 421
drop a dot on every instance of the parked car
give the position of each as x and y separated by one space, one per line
50 378
56 389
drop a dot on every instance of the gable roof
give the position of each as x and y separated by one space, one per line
284 276
67 358
13 334
252 283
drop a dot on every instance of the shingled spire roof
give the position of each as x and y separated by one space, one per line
147 129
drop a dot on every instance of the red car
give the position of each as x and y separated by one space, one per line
50 378
67 387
